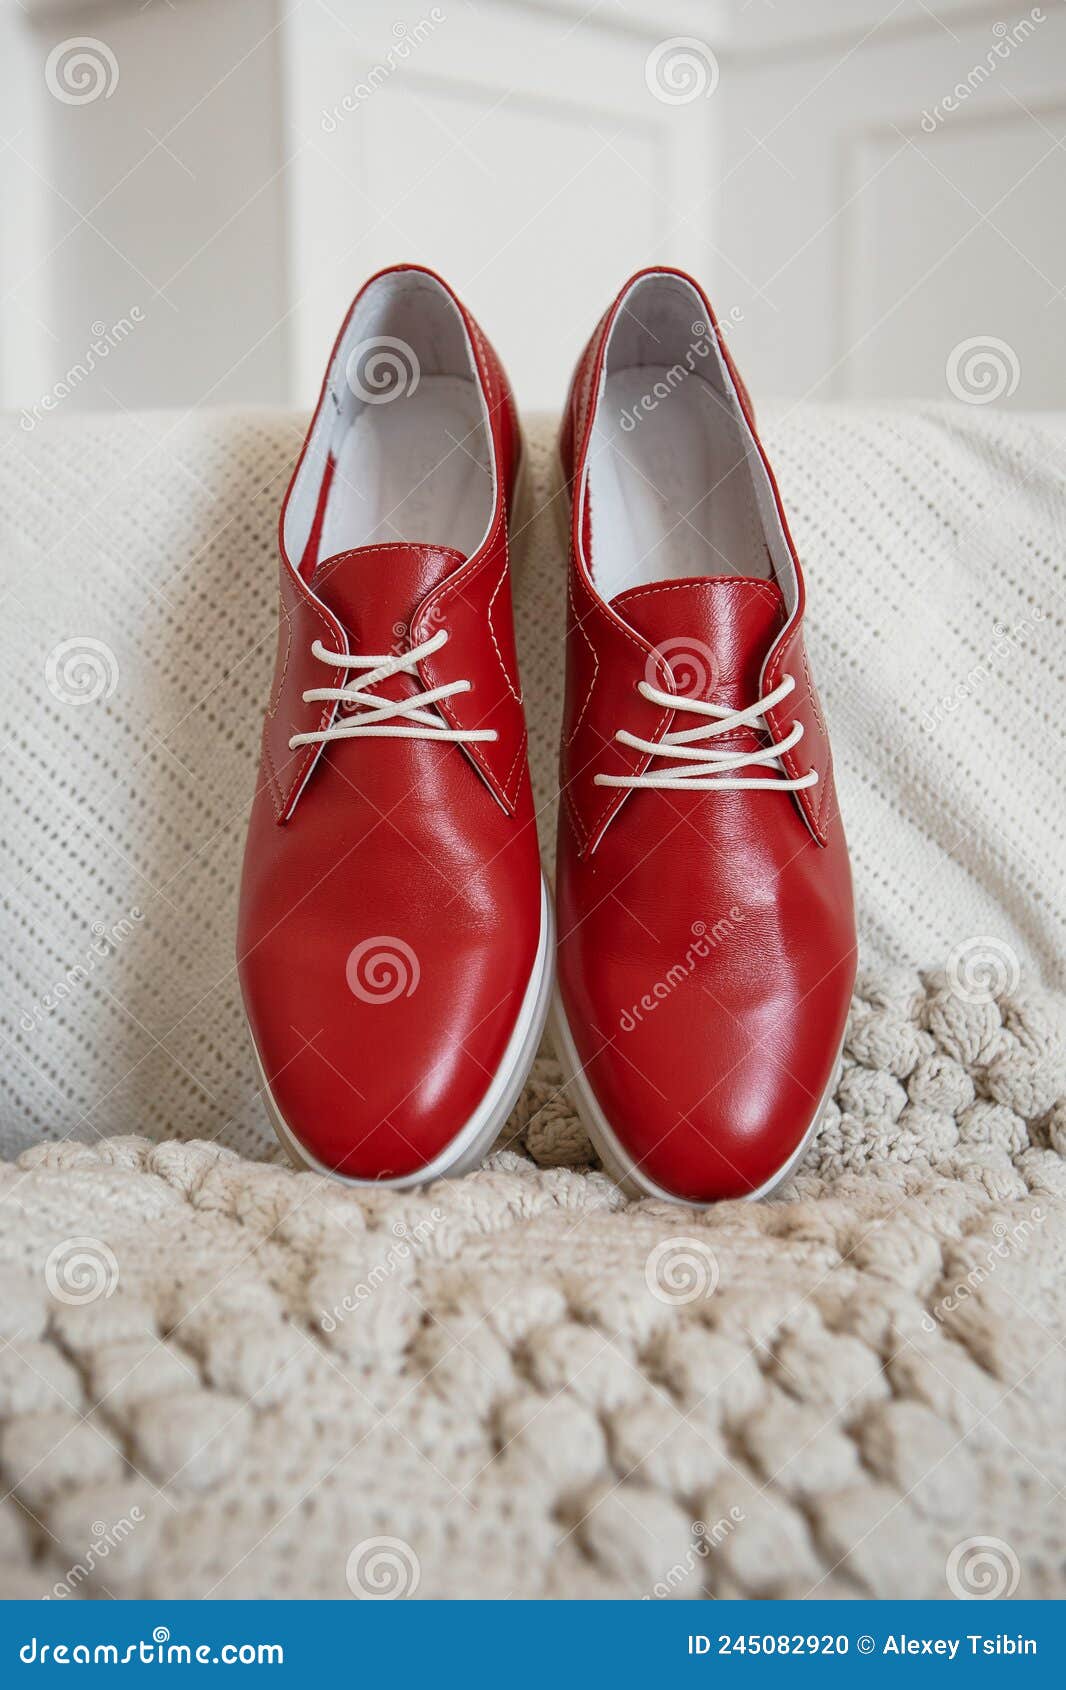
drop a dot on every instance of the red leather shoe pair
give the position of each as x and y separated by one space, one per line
394 944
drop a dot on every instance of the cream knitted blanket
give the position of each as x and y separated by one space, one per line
221 1377
136 646
224 1378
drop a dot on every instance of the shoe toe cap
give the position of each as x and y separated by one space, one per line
711 1109
377 1078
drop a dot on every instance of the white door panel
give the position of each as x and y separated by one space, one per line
517 150
889 192
864 188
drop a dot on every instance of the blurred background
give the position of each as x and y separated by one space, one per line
193 189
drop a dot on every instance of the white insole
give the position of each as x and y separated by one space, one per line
671 491
416 469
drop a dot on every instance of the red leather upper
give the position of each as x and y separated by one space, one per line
390 899
706 939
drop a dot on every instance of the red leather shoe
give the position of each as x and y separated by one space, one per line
706 932
394 943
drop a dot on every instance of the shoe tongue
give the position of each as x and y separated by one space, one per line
375 591
713 633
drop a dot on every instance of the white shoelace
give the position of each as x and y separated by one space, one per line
376 718
707 768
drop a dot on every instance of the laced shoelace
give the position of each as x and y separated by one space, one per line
708 768
377 717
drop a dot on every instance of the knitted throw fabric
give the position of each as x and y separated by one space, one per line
222 1377
136 647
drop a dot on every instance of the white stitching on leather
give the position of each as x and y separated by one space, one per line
580 625
517 696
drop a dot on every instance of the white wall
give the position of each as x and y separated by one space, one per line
160 195
870 229
517 148
247 162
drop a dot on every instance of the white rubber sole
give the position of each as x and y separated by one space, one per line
468 1148
616 1161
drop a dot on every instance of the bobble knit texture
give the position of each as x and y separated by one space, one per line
530 1385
